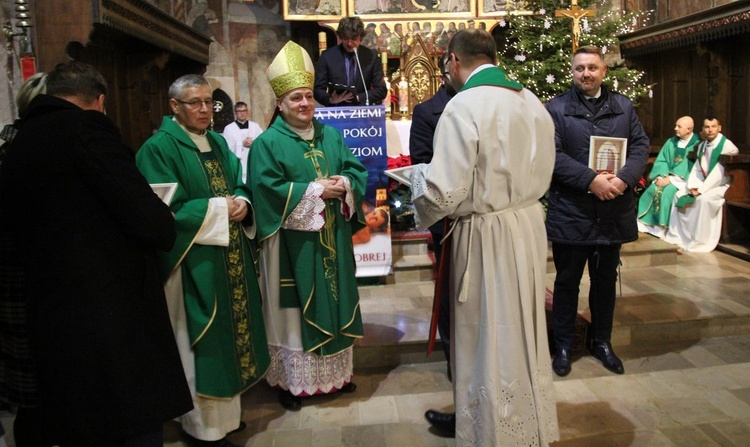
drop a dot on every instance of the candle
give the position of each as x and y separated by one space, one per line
322 37
384 57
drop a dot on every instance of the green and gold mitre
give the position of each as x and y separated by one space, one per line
292 68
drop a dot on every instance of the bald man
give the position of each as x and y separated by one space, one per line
669 174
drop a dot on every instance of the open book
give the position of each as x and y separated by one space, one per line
165 191
402 175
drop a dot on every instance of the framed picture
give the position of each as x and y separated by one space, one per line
497 8
165 191
314 9
411 9
607 154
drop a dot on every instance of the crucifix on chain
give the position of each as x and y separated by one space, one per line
576 14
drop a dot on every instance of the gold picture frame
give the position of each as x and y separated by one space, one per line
404 10
501 8
326 10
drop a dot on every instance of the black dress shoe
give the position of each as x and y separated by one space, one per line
289 400
349 388
602 350
561 362
445 422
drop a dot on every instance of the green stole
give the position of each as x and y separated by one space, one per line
714 155
688 199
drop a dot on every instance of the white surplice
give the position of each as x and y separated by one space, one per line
697 227
235 136
491 184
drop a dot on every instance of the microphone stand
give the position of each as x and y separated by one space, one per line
359 66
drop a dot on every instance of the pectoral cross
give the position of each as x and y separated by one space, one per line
576 14
313 154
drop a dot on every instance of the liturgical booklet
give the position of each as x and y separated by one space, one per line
165 191
403 175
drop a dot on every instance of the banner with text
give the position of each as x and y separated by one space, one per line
364 132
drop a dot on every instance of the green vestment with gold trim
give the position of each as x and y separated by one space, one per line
317 268
220 284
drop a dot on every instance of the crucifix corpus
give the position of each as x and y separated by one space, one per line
576 14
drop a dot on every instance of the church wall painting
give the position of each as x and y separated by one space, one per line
314 9
496 8
410 9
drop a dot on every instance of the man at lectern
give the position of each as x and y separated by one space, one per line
349 74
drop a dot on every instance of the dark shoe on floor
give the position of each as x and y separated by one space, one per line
349 388
289 400
561 362
602 350
445 422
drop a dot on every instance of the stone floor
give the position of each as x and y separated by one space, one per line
682 328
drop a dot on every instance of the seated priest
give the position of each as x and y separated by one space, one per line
668 175
695 221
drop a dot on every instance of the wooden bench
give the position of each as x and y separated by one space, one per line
735 228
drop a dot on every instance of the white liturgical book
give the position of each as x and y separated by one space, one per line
165 191
403 175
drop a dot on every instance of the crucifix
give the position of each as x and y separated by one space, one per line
576 14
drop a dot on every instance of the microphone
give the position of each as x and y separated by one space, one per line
367 96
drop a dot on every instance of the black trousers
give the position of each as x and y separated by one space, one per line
570 261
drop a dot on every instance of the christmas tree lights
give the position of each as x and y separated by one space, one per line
538 48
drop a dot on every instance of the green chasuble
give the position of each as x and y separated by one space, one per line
655 203
220 284
317 268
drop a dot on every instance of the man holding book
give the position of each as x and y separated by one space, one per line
590 215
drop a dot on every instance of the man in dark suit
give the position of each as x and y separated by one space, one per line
424 121
107 363
341 69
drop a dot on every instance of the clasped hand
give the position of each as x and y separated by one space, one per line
344 96
607 186
333 187
237 209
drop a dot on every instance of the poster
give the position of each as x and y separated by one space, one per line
363 128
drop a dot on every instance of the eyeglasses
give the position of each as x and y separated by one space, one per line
196 103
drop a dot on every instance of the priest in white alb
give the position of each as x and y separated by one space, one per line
490 166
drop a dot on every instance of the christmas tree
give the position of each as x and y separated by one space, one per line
537 48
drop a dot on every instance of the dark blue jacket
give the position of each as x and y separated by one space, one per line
330 69
424 121
575 216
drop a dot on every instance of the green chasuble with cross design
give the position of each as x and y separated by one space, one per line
317 268
655 204
220 284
